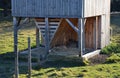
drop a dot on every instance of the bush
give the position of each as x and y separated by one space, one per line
112 48
114 58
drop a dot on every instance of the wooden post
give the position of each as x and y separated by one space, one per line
37 38
81 40
16 47
29 58
46 36
96 33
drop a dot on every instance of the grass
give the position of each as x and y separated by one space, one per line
100 71
59 68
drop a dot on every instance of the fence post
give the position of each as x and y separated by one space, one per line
16 47
29 58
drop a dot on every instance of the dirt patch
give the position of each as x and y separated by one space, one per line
98 59
64 51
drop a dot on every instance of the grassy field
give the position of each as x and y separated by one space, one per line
59 68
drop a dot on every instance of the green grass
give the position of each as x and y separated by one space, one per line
59 68
97 71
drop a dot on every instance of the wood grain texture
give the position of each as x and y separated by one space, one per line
47 8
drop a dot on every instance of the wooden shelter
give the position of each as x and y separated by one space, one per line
62 21
85 22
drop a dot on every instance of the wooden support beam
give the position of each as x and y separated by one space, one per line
96 33
29 58
71 24
81 40
99 32
21 24
47 36
16 46
37 38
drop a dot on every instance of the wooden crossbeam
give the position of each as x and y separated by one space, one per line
71 24
21 24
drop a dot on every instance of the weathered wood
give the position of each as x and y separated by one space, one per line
52 26
96 33
60 8
16 47
29 58
89 34
103 30
79 37
43 23
47 35
70 23
37 37
99 32
65 33
20 24
46 8
96 7
81 42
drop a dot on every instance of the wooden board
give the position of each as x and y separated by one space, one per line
93 32
65 33
89 33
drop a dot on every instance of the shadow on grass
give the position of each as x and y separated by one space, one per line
61 61
7 64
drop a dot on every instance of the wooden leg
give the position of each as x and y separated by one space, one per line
46 36
16 46
81 40
37 38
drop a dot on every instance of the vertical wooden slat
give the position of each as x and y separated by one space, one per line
103 24
96 33
16 47
99 32
49 8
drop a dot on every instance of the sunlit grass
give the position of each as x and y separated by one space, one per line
6 40
97 71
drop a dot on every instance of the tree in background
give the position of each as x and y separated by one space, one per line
6 6
115 5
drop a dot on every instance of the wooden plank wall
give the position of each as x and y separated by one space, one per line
65 33
59 8
105 26
89 33
47 8
96 7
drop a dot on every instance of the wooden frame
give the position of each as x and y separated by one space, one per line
81 34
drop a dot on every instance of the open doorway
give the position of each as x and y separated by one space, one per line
92 33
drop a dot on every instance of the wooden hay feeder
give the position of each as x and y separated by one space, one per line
84 23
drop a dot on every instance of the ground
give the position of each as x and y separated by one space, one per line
56 66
